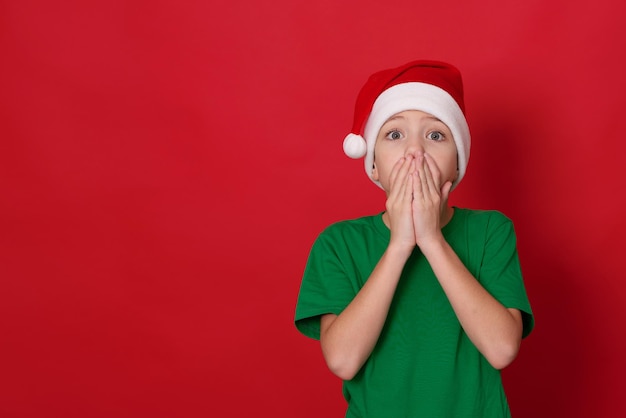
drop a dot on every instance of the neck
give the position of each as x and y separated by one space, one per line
444 216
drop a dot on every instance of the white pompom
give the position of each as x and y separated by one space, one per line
354 146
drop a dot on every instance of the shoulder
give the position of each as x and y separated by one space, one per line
346 228
489 218
491 227
353 236
483 225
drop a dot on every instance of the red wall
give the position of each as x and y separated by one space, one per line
166 166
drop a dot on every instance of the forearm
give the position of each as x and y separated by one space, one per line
348 339
495 330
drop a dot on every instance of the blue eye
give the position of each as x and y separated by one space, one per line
393 135
435 136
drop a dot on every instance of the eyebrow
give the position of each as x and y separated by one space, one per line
394 118
433 118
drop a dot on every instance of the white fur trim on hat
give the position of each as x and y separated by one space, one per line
354 146
427 98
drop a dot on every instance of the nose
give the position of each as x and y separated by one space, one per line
414 147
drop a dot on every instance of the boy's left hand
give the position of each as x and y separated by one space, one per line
429 200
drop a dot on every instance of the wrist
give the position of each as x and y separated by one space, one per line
433 245
399 251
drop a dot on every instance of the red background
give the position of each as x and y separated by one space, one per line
166 166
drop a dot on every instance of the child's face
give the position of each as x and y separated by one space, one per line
413 132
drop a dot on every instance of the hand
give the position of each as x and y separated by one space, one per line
398 205
429 200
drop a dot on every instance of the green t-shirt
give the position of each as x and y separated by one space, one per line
423 364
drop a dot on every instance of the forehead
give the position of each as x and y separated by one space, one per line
414 115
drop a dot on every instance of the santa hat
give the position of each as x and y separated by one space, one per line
430 86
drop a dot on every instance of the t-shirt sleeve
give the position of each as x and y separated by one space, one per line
326 286
500 271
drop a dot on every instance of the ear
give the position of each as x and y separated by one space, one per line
375 172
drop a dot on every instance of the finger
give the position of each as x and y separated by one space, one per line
430 187
401 177
407 189
398 187
431 183
421 170
401 188
415 186
418 193
434 168
394 171
408 192
445 191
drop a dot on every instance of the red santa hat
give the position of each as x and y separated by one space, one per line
430 86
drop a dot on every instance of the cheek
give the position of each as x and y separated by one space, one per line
447 165
449 169
384 166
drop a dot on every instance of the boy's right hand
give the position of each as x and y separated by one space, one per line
399 207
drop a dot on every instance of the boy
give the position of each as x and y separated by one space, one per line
417 308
